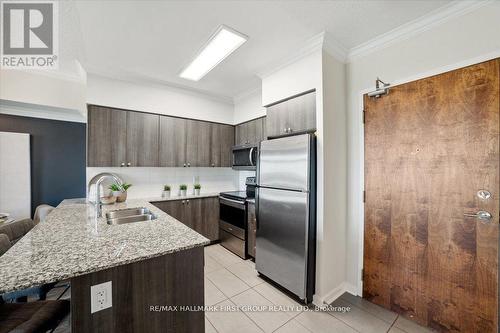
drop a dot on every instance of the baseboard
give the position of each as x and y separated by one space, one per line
331 296
351 289
335 293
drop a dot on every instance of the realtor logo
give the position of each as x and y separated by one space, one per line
29 34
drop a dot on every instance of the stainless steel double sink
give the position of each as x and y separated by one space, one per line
129 215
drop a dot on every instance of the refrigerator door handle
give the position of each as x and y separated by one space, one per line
256 208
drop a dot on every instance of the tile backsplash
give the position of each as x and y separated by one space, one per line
148 182
242 178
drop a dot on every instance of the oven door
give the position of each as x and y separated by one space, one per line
232 226
245 157
232 213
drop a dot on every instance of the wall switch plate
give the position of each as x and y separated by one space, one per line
100 296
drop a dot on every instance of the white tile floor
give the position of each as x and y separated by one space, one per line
231 281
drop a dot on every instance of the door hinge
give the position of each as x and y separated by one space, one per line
364 113
362 274
364 196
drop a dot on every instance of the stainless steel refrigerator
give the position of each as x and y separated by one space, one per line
286 213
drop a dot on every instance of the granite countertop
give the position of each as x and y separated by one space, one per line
73 242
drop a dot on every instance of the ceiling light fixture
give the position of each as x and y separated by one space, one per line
222 43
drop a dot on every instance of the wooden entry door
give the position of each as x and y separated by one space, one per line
430 146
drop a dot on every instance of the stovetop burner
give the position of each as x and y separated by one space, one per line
242 195
236 195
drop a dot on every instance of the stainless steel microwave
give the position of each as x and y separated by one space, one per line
245 157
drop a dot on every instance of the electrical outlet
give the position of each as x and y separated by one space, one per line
100 296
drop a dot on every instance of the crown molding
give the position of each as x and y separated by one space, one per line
335 48
144 80
415 27
41 111
312 45
322 41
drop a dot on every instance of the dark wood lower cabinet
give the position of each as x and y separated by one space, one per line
251 229
201 215
171 280
210 218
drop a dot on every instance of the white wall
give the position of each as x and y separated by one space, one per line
157 99
249 107
334 121
461 41
15 175
320 71
148 182
293 79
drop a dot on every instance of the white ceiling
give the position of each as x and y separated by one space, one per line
154 40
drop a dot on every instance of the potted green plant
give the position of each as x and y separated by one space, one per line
166 191
120 191
183 190
197 188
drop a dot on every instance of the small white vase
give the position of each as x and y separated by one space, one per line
196 191
182 193
165 194
121 196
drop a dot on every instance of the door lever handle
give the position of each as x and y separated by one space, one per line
482 215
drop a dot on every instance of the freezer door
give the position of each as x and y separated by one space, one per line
284 162
282 237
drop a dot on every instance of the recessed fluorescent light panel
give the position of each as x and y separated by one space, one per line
224 42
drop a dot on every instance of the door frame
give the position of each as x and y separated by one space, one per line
358 193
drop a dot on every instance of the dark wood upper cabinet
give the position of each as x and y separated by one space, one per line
142 139
226 144
129 138
198 143
240 134
172 142
277 120
215 145
221 143
250 132
297 114
106 132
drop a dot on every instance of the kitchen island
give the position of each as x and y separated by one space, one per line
150 263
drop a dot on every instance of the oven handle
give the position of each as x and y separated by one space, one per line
233 203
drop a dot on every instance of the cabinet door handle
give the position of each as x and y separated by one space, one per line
187 201
213 164
183 202
289 130
184 164
129 164
123 164
189 164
